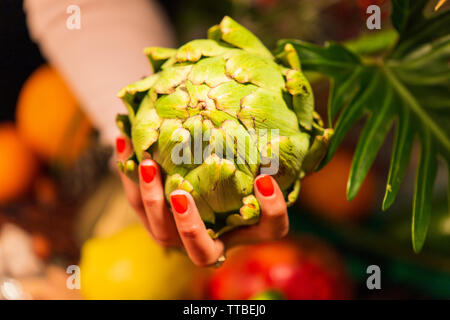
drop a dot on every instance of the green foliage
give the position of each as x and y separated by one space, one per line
407 87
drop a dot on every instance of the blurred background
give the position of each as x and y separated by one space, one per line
61 203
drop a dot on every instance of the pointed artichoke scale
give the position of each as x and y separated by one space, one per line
267 110
220 184
142 85
228 96
124 125
170 78
214 33
172 150
235 34
133 94
242 145
176 181
248 214
302 97
247 67
196 49
144 130
129 167
173 105
157 56
297 85
293 195
288 153
289 57
210 71
317 151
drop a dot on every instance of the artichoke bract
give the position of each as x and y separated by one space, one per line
216 113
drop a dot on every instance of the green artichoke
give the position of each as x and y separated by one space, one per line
216 113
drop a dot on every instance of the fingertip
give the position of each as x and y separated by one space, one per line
148 170
123 148
180 200
265 186
120 144
149 162
270 197
180 191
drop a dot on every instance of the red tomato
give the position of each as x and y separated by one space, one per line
303 269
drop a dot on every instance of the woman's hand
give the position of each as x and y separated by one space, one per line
182 226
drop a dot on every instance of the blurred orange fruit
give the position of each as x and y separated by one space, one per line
324 192
17 164
49 118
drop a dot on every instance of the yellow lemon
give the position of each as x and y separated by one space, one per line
130 265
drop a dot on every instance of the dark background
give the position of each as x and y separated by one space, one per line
19 56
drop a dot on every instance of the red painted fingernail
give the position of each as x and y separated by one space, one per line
148 171
179 202
120 144
265 186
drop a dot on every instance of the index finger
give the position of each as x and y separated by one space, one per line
124 150
201 248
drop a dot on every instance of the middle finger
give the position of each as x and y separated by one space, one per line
158 214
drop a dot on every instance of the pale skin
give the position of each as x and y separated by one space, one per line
186 230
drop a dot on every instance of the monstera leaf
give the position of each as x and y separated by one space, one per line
408 87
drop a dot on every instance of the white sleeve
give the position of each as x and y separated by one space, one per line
104 55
